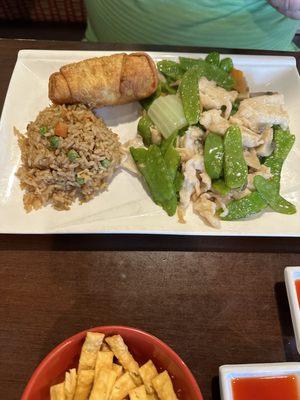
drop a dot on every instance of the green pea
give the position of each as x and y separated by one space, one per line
105 163
213 155
72 155
54 142
235 167
269 192
79 180
226 64
253 203
43 130
213 58
144 130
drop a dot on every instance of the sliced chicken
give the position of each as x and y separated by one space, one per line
258 112
251 159
205 182
155 135
206 208
190 143
214 122
191 181
127 160
215 97
265 149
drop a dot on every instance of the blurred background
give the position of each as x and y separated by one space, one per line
42 19
47 19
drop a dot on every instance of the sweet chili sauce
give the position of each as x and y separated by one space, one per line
297 283
266 388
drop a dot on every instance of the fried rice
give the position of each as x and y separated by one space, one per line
61 165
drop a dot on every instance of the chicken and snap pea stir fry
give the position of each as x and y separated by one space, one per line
204 140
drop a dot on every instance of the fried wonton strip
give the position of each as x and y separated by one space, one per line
57 392
89 350
104 347
118 369
164 388
103 384
122 387
84 384
152 396
148 372
70 384
138 393
104 360
122 353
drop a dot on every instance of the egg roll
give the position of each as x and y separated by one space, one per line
102 81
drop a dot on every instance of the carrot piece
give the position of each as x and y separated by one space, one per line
240 83
61 129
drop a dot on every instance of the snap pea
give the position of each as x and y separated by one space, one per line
144 130
178 181
213 58
170 155
235 167
166 143
226 64
170 69
157 176
189 92
166 88
220 187
189 89
213 155
187 63
222 78
269 192
284 141
253 203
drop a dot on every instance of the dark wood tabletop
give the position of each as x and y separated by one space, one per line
213 300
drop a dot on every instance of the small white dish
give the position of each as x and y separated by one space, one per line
229 372
291 275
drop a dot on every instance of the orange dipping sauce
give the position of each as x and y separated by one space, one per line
265 388
297 283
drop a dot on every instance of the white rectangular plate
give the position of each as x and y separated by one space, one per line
126 207
291 275
229 372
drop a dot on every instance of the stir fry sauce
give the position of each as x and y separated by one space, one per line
297 283
266 388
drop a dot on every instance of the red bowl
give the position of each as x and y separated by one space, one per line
142 345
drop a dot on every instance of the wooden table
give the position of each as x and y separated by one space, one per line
213 300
